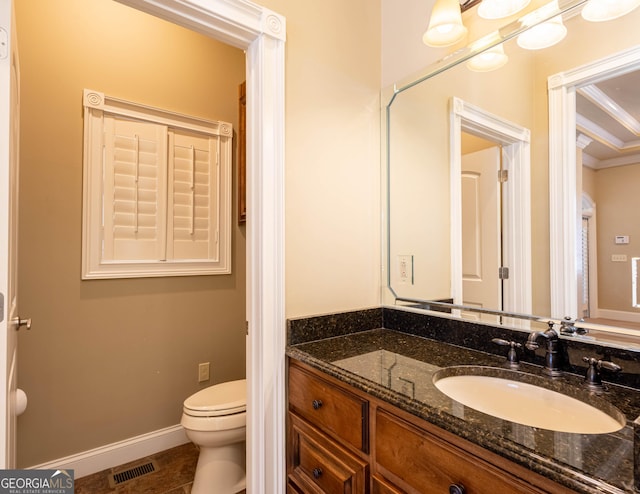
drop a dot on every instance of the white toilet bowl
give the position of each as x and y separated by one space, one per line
215 420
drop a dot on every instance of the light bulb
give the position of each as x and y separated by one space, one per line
488 60
545 34
445 25
497 9
606 10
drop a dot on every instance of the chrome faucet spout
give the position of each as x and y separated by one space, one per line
532 340
552 357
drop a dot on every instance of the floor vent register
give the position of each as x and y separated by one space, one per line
116 479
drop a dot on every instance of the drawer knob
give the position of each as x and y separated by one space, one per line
316 404
317 473
457 489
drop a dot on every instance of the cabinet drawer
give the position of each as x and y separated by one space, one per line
382 487
293 488
319 465
414 458
334 411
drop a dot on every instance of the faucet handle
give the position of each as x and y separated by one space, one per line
593 377
568 327
512 356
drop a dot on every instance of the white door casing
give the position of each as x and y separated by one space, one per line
261 33
9 160
516 222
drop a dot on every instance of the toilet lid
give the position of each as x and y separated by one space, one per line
220 399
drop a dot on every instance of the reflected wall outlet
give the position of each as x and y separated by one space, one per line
405 269
203 372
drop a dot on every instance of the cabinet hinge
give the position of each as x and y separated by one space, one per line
503 175
503 273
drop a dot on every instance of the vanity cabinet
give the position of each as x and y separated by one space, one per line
342 440
327 436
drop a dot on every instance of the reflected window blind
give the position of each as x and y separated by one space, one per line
585 268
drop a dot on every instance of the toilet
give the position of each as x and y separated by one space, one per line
215 420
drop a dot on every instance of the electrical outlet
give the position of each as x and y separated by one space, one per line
405 269
618 258
203 372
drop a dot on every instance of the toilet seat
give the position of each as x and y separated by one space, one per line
219 400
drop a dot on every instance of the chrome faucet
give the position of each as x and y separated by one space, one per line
552 357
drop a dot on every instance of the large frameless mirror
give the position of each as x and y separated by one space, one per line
511 191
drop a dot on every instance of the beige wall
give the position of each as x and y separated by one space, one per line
107 360
617 205
332 154
589 181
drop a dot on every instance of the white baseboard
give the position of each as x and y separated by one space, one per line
619 315
114 454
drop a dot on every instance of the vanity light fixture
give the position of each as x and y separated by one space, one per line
545 34
606 10
498 9
488 60
445 25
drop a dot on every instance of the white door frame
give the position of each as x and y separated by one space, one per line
9 171
261 33
565 211
517 211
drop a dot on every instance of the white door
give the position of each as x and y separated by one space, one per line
9 137
481 245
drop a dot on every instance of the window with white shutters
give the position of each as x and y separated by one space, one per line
157 190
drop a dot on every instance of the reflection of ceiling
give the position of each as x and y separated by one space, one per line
608 119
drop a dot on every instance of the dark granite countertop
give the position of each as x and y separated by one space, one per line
398 368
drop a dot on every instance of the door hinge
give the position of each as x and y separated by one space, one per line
503 176
503 273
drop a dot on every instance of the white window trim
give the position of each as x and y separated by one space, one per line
96 105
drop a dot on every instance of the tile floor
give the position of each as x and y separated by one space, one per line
176 467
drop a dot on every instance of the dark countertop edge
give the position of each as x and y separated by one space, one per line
543 466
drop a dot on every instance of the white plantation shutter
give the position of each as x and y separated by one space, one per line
193 209
157 192
135 190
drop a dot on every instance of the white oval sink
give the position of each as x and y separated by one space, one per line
527 404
